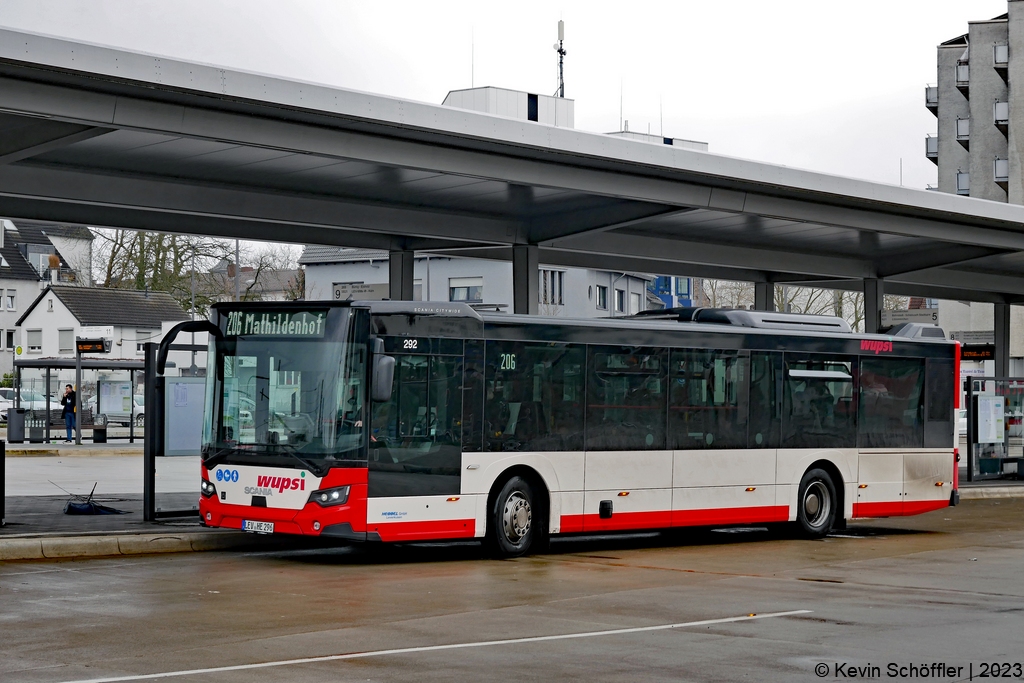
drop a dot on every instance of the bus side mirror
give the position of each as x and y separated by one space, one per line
383 378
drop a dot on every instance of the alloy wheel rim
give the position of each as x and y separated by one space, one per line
817 503
517 517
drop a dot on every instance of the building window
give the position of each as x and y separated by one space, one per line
12 299
11 339
551 283
66 341
49 305
466 289
35 341
602 297
141 337
620 300
634 303
417 290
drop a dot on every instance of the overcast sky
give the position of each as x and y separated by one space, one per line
829 86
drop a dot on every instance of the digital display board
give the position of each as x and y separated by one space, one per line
308 324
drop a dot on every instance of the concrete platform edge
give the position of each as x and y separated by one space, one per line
981 492
71 547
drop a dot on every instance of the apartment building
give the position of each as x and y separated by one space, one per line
980 114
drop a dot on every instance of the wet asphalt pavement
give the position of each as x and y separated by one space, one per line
943 591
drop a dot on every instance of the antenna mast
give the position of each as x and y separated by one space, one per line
561 57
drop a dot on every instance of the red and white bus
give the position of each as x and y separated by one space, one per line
411 421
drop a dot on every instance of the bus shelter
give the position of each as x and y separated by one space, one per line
110 397
995 428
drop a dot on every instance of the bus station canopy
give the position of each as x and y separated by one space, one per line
105 137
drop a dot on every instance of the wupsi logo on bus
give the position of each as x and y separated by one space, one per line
227 475
876 346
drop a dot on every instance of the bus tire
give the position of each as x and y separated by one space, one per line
514 521
817 504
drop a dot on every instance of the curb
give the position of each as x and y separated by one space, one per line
67 547
983 492
72 452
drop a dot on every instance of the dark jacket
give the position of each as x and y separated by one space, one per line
68 401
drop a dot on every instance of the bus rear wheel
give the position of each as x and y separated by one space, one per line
817 504
514 525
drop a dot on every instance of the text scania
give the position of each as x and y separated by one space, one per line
876 346
282 484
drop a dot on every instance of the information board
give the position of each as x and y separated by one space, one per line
115 398
990 419
183 415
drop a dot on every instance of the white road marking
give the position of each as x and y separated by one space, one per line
436 648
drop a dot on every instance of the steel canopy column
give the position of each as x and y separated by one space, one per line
874 296
400 274
764 299
525 278
1001 318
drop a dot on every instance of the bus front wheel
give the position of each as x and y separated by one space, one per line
514 524
817 504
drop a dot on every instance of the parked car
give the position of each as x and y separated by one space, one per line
31 400
961 422
121 416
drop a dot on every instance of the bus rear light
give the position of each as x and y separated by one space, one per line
328 497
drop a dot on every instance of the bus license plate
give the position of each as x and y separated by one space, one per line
258 527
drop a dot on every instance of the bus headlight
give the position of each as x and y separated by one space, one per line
207 489
328 497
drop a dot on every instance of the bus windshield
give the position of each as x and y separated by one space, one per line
288 393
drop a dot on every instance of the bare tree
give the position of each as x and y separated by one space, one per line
188 265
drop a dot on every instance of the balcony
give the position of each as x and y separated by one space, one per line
963 133
1001 117
931 149
963 78
1001 173
963 183
1001 61
931 99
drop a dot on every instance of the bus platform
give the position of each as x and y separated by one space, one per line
37 529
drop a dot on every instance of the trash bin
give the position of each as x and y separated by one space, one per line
36 425
99 429
16 425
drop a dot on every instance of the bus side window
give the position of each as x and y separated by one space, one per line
626 398
765 395
708 399
533 396
939 387
819 402
892 402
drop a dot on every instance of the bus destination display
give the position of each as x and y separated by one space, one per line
307 324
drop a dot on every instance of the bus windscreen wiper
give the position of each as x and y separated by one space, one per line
293 451
211 460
